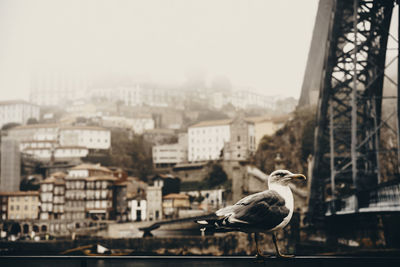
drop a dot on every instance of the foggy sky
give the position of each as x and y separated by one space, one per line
257 44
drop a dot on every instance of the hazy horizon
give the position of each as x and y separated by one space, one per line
258 45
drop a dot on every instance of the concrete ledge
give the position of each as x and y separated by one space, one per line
176 261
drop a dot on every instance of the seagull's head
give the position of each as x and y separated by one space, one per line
283 177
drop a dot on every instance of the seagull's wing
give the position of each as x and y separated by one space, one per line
263 210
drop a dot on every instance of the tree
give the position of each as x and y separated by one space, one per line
217 176
30 183
32 121
9 125
131 153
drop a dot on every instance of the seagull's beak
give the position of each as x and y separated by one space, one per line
297 176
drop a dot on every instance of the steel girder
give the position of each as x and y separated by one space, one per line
349 107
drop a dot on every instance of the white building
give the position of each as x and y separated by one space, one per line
246 99
138 209
57 87
35 132
17 111
168 155
171 154
138 125
206 139
45 141
85 136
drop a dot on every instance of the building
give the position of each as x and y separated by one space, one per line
58 153
88 192
120 201
210 200
170 154
173 203
244 99
85 136
21 205
18 111
10 165
35 132
99 195
3 206
52 197
267 125
154 203
207 139
190 172
242 143
159 136
238 138
60 143
57 87
137 124
137 204
75 193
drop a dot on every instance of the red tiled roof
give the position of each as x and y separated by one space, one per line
176 196
20 193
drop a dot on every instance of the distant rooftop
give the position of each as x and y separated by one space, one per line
35 126
258 119
211 123
16 101
94 128
101 178
176 196
20 193
95 167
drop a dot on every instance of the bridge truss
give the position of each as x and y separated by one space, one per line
349 112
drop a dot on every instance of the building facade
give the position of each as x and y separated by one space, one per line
137 204
242 143
22 205
18 111
10 165
211 199
88 192
154 203
85 136
54 142
99 196
52 197
170 154
173 203
206 139
137 124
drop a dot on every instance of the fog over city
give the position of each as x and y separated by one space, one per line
261 46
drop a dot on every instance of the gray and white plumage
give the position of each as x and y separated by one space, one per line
265 211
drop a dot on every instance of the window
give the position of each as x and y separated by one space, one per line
238 138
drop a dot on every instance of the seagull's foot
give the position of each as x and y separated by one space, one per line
284 256
261 257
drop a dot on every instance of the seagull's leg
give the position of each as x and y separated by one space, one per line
278 253
259 254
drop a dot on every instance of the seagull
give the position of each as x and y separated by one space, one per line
264 212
